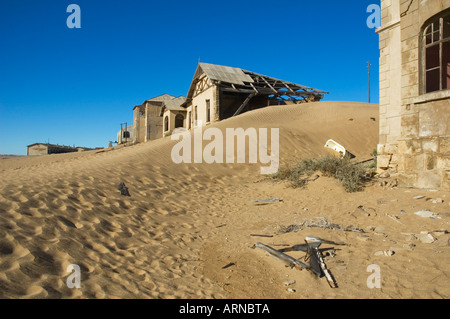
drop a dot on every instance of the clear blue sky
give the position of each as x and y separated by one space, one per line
75 86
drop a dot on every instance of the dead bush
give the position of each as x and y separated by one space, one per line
351 175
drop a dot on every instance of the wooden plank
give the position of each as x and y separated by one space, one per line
318 255
256 90
273 89
267 91
241 108
287 86
227 89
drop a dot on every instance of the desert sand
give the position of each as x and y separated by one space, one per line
188 230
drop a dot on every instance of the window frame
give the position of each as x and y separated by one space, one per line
166 123
195 116
179 117
188 120
430 23
208 111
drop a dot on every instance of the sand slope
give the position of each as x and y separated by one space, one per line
184 223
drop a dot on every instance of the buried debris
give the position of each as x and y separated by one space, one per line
335 146
319 222
288 260
228 265
427 214
365 211
266 201
313 255
394 218
123 189
261 235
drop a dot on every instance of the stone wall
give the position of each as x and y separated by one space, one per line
37 150
209 94
139 124
414 127
171 115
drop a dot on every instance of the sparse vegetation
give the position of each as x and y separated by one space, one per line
351 175
374 153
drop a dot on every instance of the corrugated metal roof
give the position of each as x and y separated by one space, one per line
225 73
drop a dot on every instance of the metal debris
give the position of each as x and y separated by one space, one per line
288 260
266 201
313 255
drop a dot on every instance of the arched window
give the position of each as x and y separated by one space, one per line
435 43
179 120
166 124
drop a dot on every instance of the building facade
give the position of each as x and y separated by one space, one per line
219 92
414 142
125 135
173 114
149 117
39 149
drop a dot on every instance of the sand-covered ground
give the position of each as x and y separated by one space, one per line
188 230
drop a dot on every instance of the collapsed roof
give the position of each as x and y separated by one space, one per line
237 80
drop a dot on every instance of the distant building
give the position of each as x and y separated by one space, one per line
125 135
414 143
46 149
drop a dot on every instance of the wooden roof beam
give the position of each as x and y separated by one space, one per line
272 88
287 86
244 104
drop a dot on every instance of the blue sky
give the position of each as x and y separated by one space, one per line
75 86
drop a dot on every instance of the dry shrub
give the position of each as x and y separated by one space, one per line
351 175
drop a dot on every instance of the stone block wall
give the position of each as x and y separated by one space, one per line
414 127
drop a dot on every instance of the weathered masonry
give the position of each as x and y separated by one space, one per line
414 143
156 117
39 149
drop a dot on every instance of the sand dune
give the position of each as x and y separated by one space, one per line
184 223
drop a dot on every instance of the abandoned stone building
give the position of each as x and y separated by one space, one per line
125 135
39 149
174 114
219 92
157 116
414 142
216 92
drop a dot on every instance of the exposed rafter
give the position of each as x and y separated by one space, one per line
237 80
